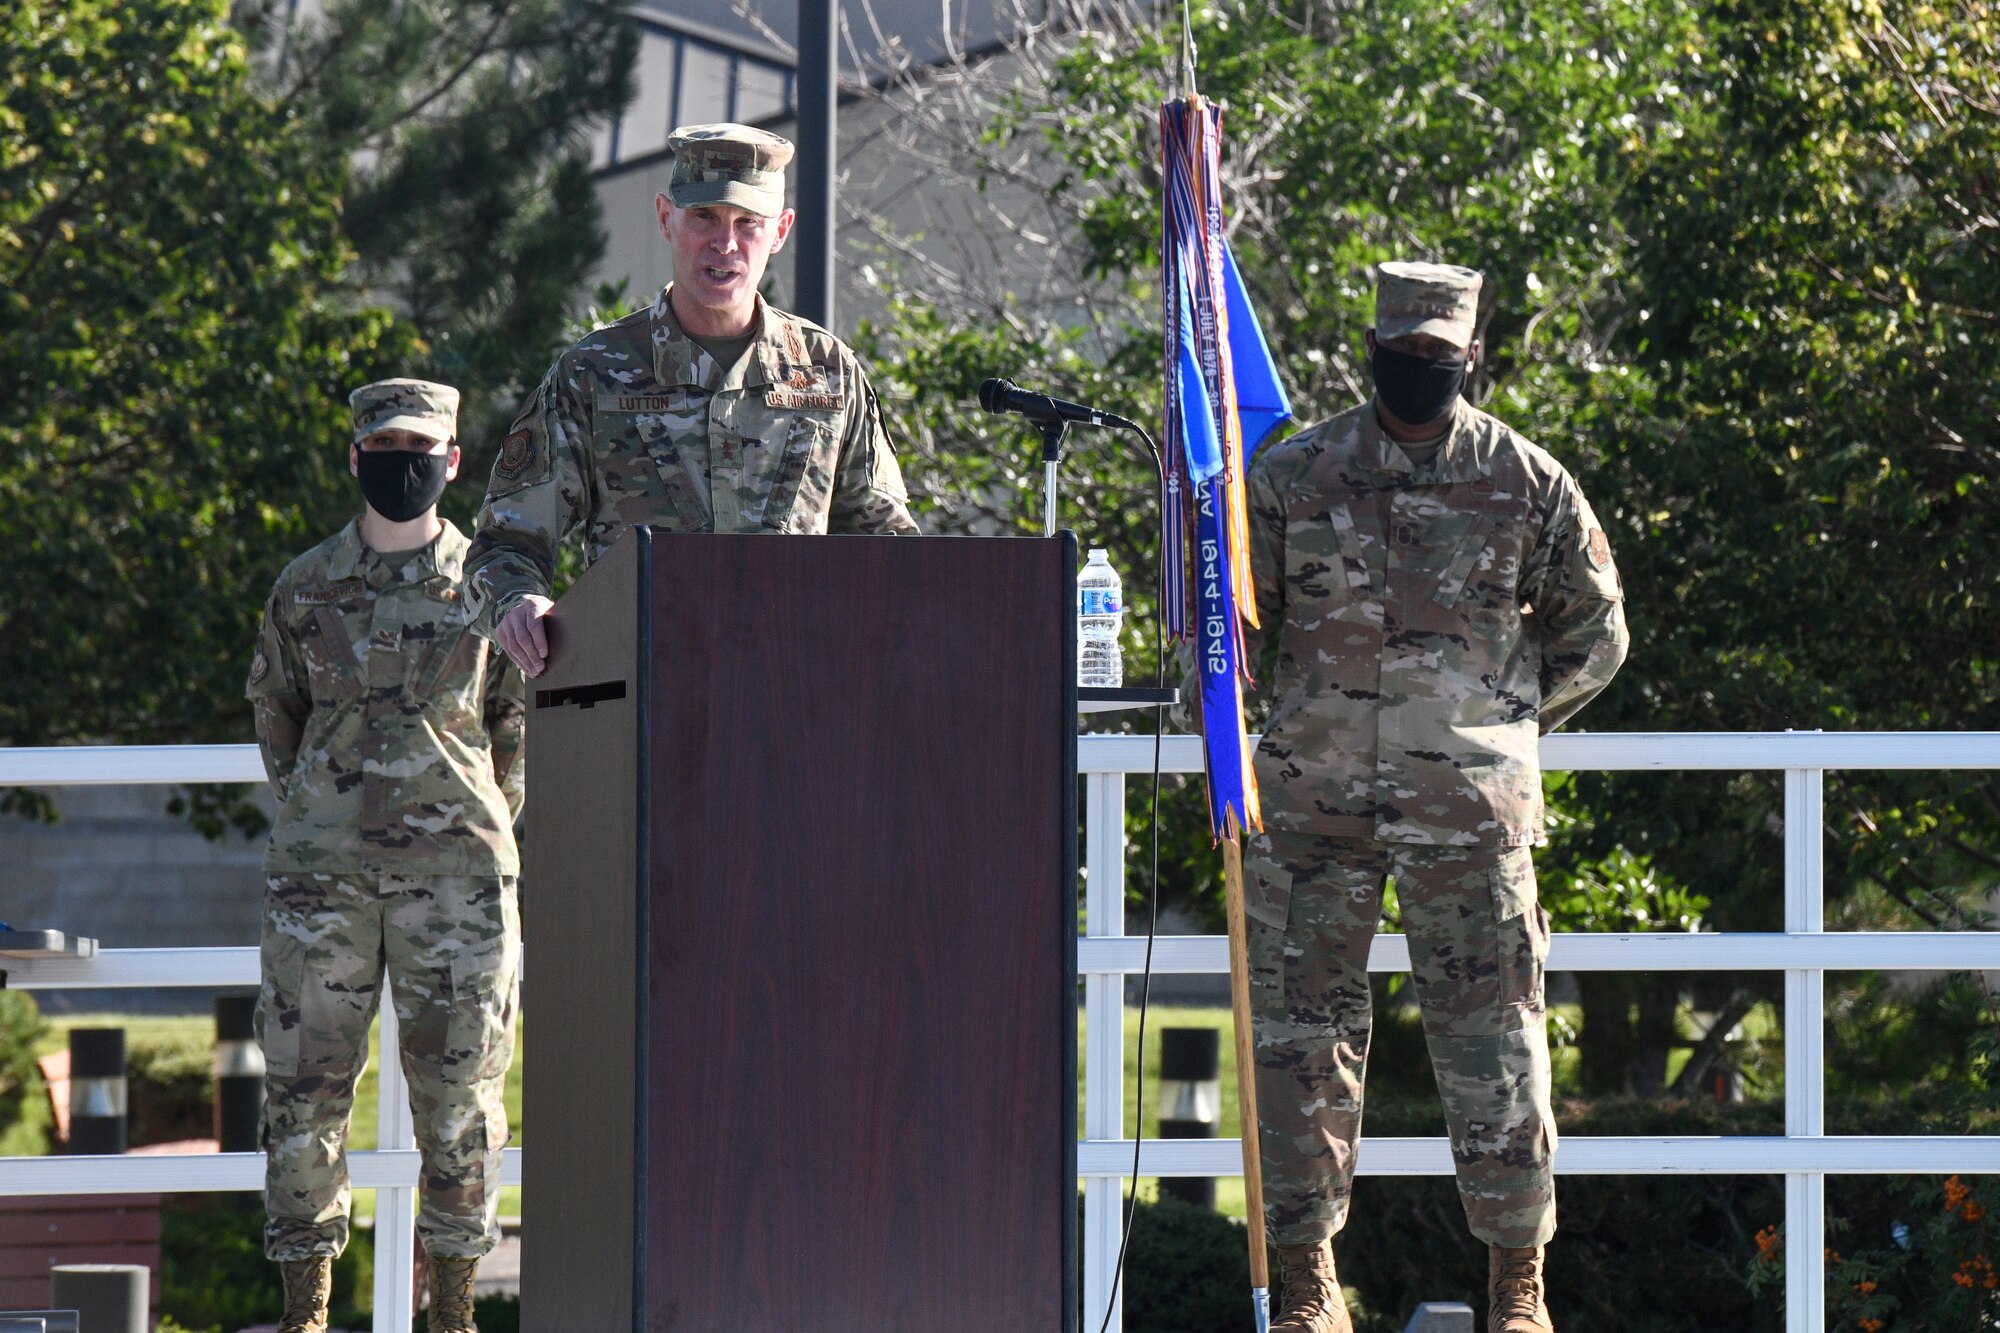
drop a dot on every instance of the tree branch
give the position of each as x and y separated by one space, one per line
1740 1003
479 48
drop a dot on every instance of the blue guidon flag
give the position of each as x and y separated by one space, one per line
1223 399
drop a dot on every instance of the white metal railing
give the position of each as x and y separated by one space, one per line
1805 1155
390 1170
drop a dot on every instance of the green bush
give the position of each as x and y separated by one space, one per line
1187 1271
1625 1241
1650 1254
21 1027
1905 1255
497 1314
213 1272
172 1088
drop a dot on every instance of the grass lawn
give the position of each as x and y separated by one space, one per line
1228 1189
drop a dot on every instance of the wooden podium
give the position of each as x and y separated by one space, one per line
799 885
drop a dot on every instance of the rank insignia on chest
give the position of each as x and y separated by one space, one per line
516 452
332 592
1600 549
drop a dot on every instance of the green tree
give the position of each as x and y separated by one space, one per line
1811 495
1461 131
1742 281
175 350
469 205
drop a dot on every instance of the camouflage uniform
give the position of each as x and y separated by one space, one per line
392 737
1432 621
637 424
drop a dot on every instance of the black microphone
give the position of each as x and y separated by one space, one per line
1004 396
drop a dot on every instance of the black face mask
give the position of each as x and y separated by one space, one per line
1416 389
399 484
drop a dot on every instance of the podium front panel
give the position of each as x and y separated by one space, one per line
853 1008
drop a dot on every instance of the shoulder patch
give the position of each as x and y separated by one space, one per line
517 451
1600 549
260 667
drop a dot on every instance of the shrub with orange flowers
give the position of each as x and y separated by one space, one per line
1769 1247
1919 1255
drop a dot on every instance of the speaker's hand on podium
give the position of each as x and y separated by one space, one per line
522 636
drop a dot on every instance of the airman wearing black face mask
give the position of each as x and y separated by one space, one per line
1442 596
392 736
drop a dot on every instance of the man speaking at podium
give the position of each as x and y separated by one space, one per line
708 412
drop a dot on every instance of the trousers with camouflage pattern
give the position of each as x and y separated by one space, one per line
450 945
1478 943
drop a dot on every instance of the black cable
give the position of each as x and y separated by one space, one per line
1153 921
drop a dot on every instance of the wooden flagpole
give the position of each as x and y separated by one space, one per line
1246 1070
1239 933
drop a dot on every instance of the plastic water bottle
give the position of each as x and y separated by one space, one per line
1100 609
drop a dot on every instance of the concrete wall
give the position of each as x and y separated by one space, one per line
120 869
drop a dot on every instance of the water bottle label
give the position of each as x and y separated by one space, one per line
1098 602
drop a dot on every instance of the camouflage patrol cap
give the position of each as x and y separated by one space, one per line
1439 299
415 405
729 164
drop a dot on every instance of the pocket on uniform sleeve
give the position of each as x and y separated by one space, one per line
1520 931
1267 884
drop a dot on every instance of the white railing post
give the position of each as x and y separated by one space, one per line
395 1207
1104 1046
1805 1051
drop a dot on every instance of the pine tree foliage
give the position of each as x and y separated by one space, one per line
469 205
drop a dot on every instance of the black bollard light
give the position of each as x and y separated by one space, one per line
239 1074
97 1090
1190 1101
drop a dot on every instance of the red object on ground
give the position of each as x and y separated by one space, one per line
55 1077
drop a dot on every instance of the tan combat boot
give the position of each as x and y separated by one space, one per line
1514 1291
451 1294
308 1289
1313 1302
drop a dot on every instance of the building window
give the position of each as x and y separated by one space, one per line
644 126
761 91
683 80
706 84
